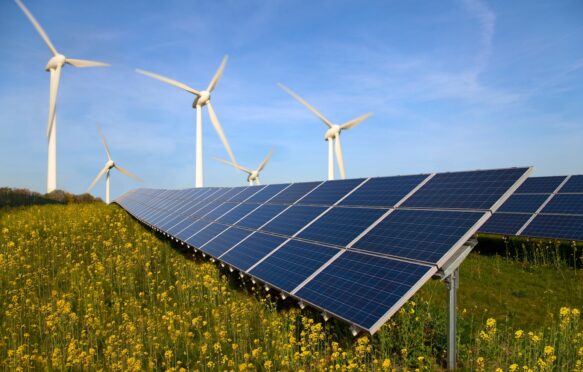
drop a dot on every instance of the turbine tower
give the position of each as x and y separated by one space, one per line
203 98
252 175
109 165
54 66
332 134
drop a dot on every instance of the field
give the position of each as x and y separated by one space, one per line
86 287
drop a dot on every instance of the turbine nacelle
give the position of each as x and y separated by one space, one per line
253 176
332 132
110 164
56 61
201 99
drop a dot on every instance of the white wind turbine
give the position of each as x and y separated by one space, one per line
332 134
252 175
203 98
109 165
54 66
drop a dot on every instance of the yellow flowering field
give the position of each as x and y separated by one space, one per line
86 287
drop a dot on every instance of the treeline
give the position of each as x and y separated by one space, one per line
10 197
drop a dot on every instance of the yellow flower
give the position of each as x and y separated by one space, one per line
549 350
518 334
513 367
386 364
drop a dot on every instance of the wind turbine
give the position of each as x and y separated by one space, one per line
203 98
109 165
252 175
54 66
332 134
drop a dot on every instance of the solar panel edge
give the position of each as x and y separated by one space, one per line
512 189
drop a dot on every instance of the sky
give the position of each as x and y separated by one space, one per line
453 85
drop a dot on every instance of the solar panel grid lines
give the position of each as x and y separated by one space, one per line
556 227
565 204
555 191
573 185
540 185
505 223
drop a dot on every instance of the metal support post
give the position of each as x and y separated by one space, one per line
452 282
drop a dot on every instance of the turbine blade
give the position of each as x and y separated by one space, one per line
339 157
38 27
265 161
305 103
218 75
237 166
54 89
85 63
104 142
354 122
99 175
220 132
128 173
169 81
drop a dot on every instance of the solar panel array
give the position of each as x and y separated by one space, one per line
356 249
543 207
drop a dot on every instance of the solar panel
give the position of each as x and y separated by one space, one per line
465 190
556 227
565 204
505 223
291 264
383 191
340 226
251 250
357 249
575 184
293 219
424 235
361 288
523 203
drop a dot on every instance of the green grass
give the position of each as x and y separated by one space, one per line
86 287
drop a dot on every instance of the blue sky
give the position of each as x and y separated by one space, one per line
453 85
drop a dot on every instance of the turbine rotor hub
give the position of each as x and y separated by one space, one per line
202 100
332 132
110 164
56 61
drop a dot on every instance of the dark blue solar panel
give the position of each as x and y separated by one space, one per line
205 208
225 241
260 216
542 185
556 227
245 194
233 192
523 203
504 223
291 264
220 210
267 193
383 191
565 203
575 184
341 225
191 229
420 235
237 213
206 234
251 250
465 190
362 288
172 220
294 192
293 219
330 192
181 226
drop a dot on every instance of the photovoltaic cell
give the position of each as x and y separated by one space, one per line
575 184
219 211
505 223
237 213
181 225
191 229
523 203
465 190
248 192
362 288
291 264
206 234
340 226
225 241
330 192
383 191
293 219
294 192
266 193
418 234
565 204
251 250
542 185
556 227
260 216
